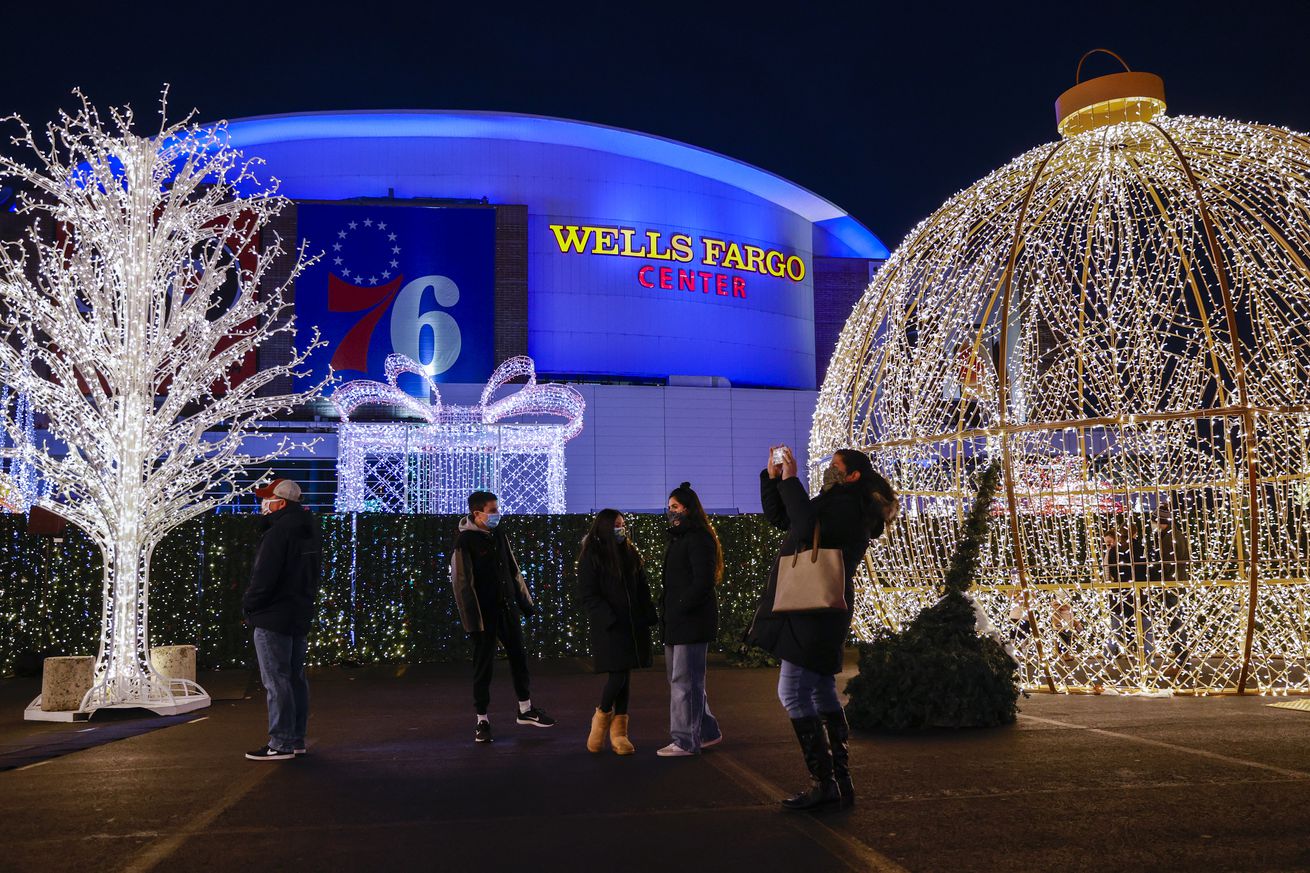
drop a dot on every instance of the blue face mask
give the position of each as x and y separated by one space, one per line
493 520
620 534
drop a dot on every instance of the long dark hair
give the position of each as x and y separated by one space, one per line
600 545
877 497
697 518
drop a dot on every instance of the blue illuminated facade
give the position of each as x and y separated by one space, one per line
691 298
644 311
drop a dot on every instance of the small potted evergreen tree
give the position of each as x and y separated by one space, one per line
939 671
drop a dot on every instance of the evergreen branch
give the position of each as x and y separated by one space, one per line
964 563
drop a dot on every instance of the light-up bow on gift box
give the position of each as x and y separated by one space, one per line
432 465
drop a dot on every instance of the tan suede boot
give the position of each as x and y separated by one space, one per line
600 725
619 741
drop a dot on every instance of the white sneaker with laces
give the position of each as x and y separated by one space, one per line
673 750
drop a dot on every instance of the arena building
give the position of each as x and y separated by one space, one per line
692 299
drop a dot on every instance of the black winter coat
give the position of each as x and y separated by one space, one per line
285 577
815 641
689 606
620 613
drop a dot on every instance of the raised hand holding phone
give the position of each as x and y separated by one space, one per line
788 463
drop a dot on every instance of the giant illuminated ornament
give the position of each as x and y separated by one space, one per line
1122 318
433 463
122 328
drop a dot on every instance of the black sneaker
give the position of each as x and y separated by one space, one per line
482 733
536 718
266 753
300 751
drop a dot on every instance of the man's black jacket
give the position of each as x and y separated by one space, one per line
284 581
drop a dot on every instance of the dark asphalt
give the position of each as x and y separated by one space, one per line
394 782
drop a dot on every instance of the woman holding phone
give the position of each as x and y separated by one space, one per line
853 509
613 588
693 566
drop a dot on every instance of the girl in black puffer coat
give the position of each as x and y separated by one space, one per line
613 588
693 566
853 509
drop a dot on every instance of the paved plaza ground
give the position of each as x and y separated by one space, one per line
393 781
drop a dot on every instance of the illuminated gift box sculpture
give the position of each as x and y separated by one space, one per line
431 466
1121 319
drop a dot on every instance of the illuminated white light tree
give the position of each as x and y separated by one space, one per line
1122 319
125 328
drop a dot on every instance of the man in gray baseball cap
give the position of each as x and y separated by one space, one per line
279 605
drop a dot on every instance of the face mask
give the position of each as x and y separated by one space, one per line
620 534
675 518
266 506
831 476
493 520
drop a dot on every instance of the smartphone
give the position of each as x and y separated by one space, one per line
779 455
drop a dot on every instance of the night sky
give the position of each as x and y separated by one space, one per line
884 108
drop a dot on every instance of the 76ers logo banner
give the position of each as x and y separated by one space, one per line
413 281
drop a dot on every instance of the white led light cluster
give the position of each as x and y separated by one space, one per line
19 484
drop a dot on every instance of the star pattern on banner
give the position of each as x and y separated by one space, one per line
354 273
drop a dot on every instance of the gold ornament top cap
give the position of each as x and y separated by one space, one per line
1106 100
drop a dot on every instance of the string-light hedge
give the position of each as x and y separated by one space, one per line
1122 319
385 594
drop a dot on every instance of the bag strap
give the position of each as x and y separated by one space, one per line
814 549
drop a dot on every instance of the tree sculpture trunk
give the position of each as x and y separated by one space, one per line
123 674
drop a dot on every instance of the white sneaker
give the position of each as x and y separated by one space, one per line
705 744
673 750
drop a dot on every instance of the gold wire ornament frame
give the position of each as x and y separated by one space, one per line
1122 320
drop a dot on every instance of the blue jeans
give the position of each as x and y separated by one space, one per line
804 693
282 670
690 719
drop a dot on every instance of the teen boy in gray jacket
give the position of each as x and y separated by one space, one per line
492 596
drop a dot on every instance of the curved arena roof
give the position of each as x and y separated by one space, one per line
837 234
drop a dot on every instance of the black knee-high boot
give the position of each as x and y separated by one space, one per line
813 738
839 737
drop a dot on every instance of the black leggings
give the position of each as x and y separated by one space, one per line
615 695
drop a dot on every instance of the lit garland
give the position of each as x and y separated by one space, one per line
434 466
119 334
1121 318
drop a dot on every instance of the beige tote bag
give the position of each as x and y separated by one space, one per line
811 581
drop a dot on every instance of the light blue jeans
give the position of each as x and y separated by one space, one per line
804 693
690 719
282 670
